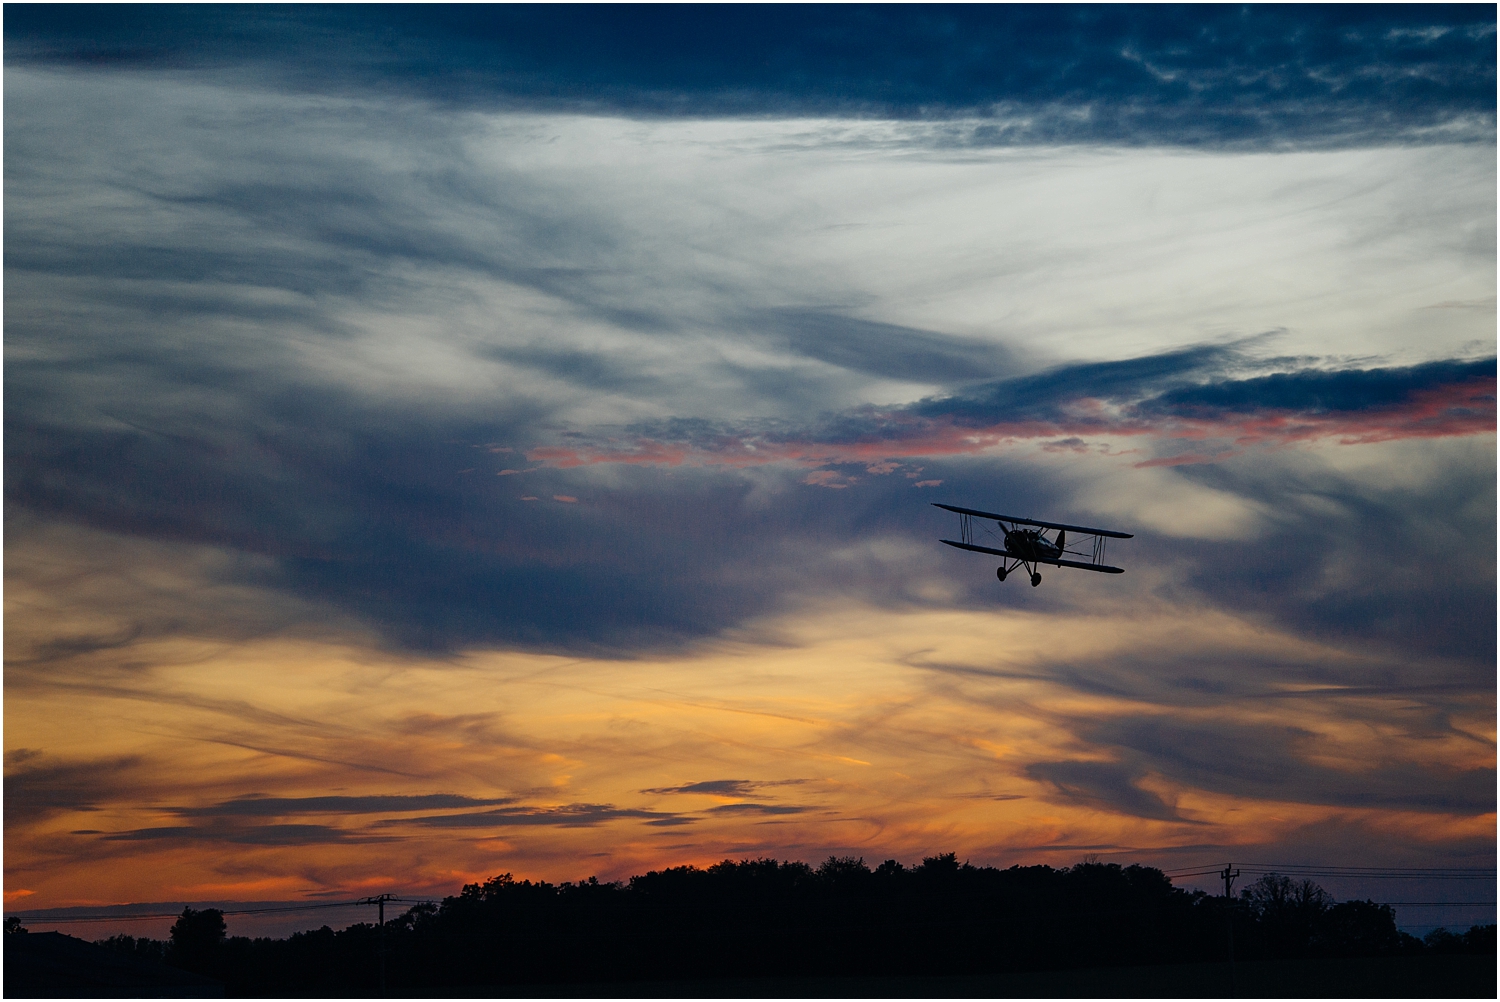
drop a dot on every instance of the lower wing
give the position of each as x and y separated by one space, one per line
1102 568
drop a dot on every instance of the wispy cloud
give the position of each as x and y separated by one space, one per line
1104 401
769 809
1156 725
569 816
277 340
45 789
276 807
1107 785
726 787
258 835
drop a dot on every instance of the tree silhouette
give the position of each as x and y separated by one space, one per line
1289 913
196 939
1359 929
769 918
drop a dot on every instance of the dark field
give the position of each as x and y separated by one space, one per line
1368 977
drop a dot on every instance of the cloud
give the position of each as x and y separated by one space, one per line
274 339
274 807
262 835
771 809
1129 398
569 816
715 787
887 350
34 793
1218 77
860 698
1105 785
666 553
1278 763
827 478
1368 555
727 787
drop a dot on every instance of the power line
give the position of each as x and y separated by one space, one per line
1371 869
1375 872
321 906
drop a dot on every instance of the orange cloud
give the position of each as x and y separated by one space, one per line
848 730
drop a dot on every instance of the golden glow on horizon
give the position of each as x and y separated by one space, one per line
863 731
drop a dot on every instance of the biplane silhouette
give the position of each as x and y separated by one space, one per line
1028 548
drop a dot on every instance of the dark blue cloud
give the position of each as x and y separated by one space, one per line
716 787
1193 383
1148 394
437 557
35 792
1106 785
1196 75
1040 396
757 809
1318 390
271 807
270 835
399 518
1263 762
571 816
1275 763
1407 565
887 350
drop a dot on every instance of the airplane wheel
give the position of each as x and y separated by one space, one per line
1036 579
1000 573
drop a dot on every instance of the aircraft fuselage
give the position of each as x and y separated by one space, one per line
1028 544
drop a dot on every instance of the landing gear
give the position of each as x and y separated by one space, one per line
1000 573
1036 578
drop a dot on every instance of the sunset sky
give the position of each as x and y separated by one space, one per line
444 442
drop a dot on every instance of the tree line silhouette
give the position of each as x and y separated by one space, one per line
764 917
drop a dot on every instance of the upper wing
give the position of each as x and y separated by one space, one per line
1104 568
1044 525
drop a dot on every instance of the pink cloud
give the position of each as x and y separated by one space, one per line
885 438
565 499
927 483
825 478
1186 459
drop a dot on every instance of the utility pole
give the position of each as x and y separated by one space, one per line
1228 875
380 900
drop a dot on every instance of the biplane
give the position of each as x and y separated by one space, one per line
1028 548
